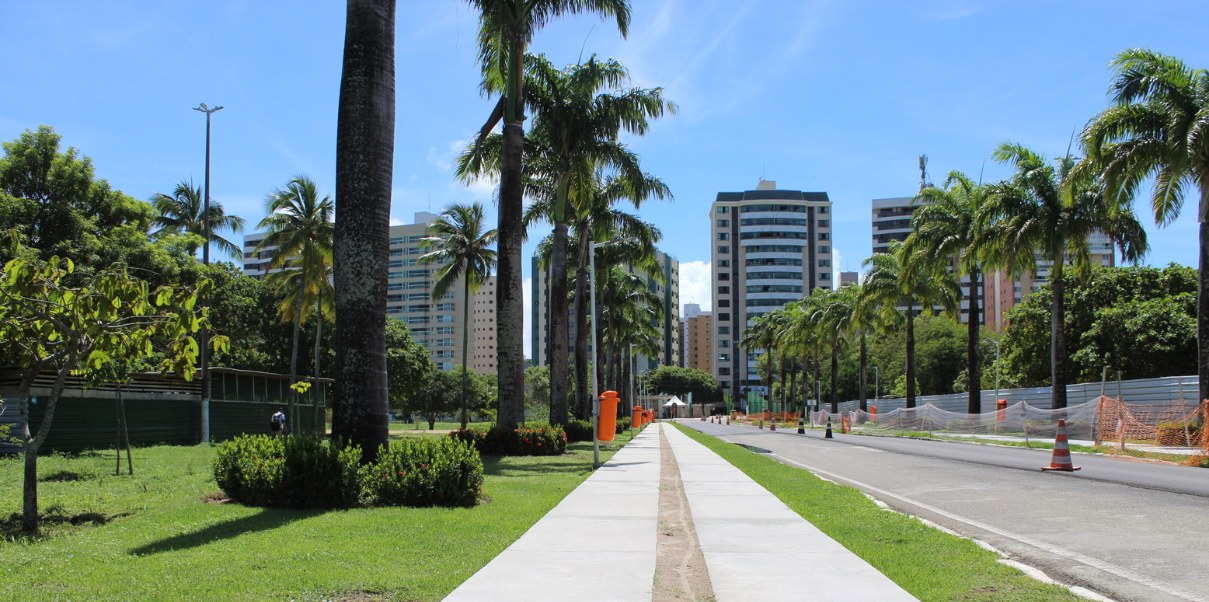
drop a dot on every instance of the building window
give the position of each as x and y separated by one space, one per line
723 223
724 330
825 250
824 263
824 210
724 317
723 302
824 236
723 290
724 236
723 209
724 384
444 342
724 263
724 344
722 371
724 357
724 276
444 330
444 307
397 240
824 223
723 250
445 318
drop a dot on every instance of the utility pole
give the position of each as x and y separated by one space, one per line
205 331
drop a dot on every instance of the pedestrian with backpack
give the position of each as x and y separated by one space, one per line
277 423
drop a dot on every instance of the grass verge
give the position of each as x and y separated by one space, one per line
154 536
930 564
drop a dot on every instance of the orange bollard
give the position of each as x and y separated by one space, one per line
636 420
1061 458
1000 405
606 426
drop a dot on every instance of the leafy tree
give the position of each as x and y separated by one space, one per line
51 324
537 392
365 138
442 393
409 368
299 228
673 380
1132 319
181 213
505 29
949 231
457 241
1049 211
1157 127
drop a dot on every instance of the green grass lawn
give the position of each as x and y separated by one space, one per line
928 563
154 537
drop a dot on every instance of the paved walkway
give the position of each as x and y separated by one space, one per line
599 543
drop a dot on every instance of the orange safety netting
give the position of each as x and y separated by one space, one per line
1173 424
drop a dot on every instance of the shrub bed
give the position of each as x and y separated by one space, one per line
523 441
578 430
301 472
623 425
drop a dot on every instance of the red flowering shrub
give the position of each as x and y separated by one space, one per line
523 441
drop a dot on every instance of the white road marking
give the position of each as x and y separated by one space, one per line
1052 549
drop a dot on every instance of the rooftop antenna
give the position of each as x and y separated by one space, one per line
923 173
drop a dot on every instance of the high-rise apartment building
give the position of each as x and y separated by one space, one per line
700 347
670 340
769 246
436 324
997 291
690 310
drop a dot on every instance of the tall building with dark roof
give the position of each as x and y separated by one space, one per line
769 246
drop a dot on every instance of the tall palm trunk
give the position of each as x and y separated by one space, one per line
818 390
559 358
864 382
974 351
582 392
465 343
805 384
910 352
784 389
1202 303
1058 337
835 377
294 355
510 302
317 424
365 136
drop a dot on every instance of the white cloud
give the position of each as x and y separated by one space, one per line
394 221
696 278
526 307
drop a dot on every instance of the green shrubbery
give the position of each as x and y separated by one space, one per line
623 425
578 430
523 441
300 472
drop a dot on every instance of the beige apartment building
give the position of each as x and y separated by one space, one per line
436 324
700 346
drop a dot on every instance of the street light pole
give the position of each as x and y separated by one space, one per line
595 350
205 331
876 374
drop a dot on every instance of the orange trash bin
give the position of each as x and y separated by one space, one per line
607 424
636 417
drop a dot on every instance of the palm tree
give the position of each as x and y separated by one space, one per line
365 136
505 29
299 226
866 317
949 232
575 132
627 305
181 213
1048 212
1158 128
464 250
762 333
834 316
893 280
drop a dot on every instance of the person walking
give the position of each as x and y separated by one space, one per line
277 423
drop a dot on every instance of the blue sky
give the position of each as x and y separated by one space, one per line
839 97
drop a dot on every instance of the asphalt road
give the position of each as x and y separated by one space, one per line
1127 530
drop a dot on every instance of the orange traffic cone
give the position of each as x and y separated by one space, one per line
1061 460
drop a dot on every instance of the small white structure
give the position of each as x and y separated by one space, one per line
675 404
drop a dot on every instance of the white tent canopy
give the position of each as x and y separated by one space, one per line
674 401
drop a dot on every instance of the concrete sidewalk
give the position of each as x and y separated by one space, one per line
599 543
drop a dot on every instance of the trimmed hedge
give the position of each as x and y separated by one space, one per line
578 430
623 425
301 472
523 441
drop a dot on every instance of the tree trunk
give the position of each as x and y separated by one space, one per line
1202 303
125 432
864 381
509 305
293 420
1058 337
317 422
835 377
805 385
818 377
465 343
974 350
559 359
365 135
29 514
583 392
910 352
